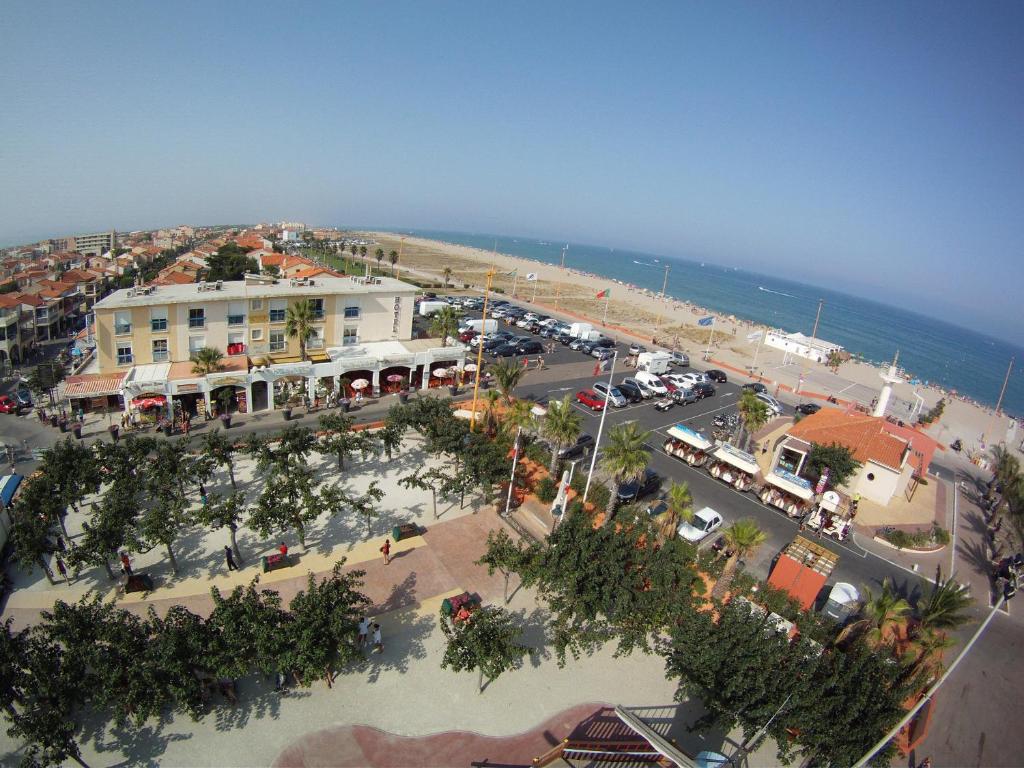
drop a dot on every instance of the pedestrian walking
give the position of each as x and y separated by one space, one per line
230 557
364 632
283 549
540 363
378 643
386 550
126 564
203 498
63 569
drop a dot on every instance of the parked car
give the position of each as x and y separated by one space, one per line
9 405
670 385
681 359
773 405
636 349
590 399
565 338
615 397
645 391
685 396
705 521
716 375
577 343
503 350
808 408
637 489
584 445
605 342
652 382
531 347
468 336
631 392
23 397
703 389
602 353
756 387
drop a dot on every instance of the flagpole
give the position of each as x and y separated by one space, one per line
707 352
758 351
480 348
536 282
600 428
515 281
607 298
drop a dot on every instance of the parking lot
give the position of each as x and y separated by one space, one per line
568 371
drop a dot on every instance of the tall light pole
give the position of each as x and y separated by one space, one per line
512 480
600 428
480 348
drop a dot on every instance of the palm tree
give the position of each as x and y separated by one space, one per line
353 249
625 458
379 253
206 360
507 376
753 412
362 251
680 507
299 323
834 360
447 276
519 415
490 418
945 606
444 324
1004 466
742 538
393 258
881 615
562 425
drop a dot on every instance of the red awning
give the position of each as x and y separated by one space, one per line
149 402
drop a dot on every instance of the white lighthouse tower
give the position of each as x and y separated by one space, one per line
889 378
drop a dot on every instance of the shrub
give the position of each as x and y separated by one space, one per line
709 563
599 495
922 539
546 489
496 290
940 535
539 453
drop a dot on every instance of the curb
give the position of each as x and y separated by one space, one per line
889 544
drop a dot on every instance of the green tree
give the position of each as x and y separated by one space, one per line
1005 466
299 320
13 649
324 624
365 505
340 440
839 460
562 425
230 262
226 512
835 359
507 556
353 249
488 642
393 258
221 451
444 324
29 536
73 469
507 376
110 529
447 276
178 647
248 631
742 539
624 459
945 609
882 613
679 506
162 521
379 253
289 501
753 413
206 360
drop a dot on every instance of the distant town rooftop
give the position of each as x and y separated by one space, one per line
252 288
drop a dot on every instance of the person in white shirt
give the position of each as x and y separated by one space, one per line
364 631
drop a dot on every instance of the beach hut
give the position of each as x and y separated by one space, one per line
688 444
733 466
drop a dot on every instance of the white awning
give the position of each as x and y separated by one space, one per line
152 377
690 437
789 485
737 458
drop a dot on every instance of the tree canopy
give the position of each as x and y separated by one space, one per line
230 262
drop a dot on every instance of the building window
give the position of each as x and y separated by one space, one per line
124 353
158 320
256 305
316 341
197 318
257 334
350 336
160 351
236 313
236 343
351 312
277 341
277 310
122 323
317 306
195 343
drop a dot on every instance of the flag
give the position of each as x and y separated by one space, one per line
604 294
604 364
531 276
706 320
597 368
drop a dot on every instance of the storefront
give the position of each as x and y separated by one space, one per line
688 444
733 466
229 393
94 393
146 392
788 492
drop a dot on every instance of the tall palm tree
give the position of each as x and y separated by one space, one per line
379 253
882 613
624 459
362 251
206 360
298 323
444 324
447 276
353 249
490 417
680 507
742 539
393 258
507 376
561 426
519 415
1004 466
754 414
945 607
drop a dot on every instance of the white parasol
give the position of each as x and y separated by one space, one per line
360 384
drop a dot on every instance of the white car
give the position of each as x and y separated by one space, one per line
705 521
773 405
678 380
615 397
530 316
692 377
652 382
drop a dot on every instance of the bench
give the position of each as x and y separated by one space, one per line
405 531
451 605
274 562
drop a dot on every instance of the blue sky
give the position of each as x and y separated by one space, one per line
875 146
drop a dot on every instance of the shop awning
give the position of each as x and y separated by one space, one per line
690 436
86 385
8 487
790 483
737 458
152 401
150 376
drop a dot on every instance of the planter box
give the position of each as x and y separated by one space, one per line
450 605
276 562
287 413
405 531
139 582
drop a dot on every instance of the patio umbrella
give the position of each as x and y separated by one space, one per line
360 384
470 367
439 373
538 410
394 378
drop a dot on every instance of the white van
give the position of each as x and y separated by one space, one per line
652 382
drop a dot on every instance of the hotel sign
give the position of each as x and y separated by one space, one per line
398 314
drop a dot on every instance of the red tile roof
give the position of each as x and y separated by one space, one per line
173 278
864 436
93 385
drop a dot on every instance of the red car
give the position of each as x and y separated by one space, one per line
590 399
7 405
669 384
465 336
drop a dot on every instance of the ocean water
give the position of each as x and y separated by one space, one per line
931 350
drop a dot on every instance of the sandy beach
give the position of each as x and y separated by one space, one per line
645 316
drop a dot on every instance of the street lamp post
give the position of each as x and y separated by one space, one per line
600 428
512 480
